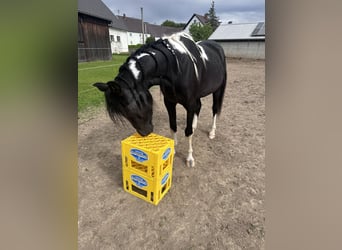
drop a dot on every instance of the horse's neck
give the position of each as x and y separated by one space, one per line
155 81
149 78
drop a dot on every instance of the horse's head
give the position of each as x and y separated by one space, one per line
133 104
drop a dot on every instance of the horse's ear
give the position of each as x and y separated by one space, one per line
101 86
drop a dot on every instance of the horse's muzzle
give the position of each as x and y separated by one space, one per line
145 131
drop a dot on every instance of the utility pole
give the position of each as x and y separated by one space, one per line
142 25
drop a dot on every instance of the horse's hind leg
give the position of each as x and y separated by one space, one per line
190 122
217 104
212 132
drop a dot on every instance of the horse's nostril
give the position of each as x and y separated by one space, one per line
143 133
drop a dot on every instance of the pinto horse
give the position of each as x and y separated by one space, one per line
185 72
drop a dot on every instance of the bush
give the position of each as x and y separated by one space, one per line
136 46
199 32
150 39
133 48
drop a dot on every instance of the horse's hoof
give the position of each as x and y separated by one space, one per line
211 135
190 163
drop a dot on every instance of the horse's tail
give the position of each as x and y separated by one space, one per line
222 87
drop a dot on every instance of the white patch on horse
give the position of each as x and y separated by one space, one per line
142 55
177 44
181 48
174 136
145 54
194 122
190 161
133 67
203 54
213 129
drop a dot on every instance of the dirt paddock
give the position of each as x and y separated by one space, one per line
218 204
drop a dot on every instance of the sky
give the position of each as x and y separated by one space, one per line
157 11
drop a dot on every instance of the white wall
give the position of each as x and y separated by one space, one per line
135 38
245 49
126 38
118 41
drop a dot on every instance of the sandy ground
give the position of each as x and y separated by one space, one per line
218 204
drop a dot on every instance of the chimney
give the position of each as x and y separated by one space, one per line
124 15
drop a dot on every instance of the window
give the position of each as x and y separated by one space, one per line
111 38
118 38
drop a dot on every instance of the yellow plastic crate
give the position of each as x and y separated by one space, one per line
147 166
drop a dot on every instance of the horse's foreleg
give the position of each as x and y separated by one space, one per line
191 121
194 123
217 105
213 128
190 161
174 136
171 110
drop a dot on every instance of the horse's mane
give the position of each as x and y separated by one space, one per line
134 56
114 105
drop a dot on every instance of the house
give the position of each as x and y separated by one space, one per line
242 40
201 20
93 32
158 31
118 36
133 29
100 32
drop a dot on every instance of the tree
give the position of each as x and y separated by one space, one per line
199 32
170 23
213 19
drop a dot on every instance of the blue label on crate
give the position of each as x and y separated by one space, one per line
139 181
166 176
166 153
139 155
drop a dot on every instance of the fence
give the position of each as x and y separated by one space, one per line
93 54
